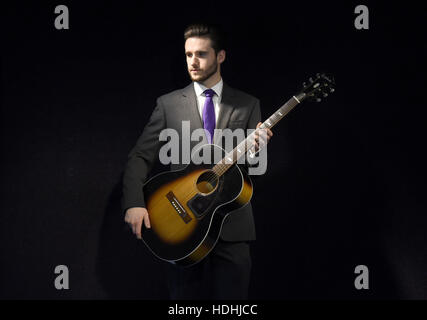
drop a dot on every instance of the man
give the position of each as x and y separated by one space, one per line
207 103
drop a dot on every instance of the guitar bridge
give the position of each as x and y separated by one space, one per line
178 207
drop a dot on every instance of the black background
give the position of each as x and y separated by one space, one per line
344 185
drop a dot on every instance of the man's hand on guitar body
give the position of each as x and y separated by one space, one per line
134 217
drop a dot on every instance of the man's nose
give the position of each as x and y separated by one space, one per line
194 62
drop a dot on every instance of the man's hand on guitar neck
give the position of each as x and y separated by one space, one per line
134 217
263 138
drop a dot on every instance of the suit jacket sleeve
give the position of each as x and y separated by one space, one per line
141 159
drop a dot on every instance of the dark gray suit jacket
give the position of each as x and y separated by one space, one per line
237 110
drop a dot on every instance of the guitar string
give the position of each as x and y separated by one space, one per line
213 177
223 167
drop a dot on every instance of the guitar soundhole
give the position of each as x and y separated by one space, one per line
207 182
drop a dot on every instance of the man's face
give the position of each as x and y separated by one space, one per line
202 62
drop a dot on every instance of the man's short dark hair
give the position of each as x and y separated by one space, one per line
205 30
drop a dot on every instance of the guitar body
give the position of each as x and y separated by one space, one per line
187 208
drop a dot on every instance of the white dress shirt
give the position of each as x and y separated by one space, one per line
199 89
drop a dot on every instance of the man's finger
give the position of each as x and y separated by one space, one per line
262 137
147 221
138 229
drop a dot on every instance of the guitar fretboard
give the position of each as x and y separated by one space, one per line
243 147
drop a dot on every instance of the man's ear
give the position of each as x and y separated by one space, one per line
220 57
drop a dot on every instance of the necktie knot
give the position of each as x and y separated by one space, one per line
209 93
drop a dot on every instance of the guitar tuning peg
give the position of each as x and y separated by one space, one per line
331 90
311 79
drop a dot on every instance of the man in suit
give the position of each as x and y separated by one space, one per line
207 103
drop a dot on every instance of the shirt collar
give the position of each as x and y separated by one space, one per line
200 88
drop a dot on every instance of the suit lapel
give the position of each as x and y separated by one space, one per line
189 97
226 108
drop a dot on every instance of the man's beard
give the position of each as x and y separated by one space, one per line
206 74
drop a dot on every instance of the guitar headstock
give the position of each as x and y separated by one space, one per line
318 87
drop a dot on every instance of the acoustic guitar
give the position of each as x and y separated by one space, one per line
187 207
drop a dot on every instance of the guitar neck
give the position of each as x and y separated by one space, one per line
242 148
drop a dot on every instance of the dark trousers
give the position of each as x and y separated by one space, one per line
223 275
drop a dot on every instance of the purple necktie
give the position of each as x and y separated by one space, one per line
209 114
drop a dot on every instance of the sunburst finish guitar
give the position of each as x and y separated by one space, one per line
187 207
